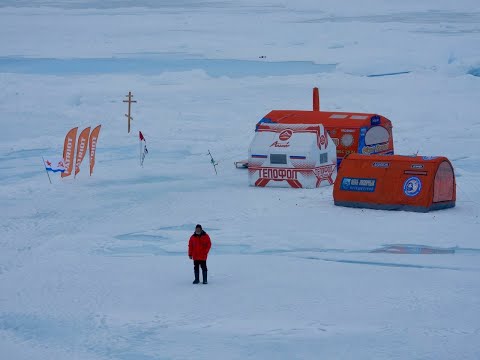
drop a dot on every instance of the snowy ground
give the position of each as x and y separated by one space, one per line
96 268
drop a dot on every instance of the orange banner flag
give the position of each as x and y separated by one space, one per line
69 151
82 144
93 146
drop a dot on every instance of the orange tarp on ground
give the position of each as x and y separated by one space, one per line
414 183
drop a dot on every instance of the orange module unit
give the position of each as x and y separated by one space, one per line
396 182
360 133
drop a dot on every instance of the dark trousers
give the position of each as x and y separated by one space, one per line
196 270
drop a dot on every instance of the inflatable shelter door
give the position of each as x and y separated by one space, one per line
444 184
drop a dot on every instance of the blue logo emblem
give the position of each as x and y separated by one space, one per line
375 120
358 184
412 186
346 183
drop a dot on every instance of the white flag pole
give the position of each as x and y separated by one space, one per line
46 170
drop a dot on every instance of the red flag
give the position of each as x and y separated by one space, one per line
93 146
69 150
141 136
81 148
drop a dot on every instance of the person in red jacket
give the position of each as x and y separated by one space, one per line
198 248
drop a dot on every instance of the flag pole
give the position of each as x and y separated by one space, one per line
46 170
140 153
213 162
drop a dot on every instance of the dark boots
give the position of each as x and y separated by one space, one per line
196 270
204 274
197 275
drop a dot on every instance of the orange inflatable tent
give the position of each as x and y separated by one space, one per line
395 182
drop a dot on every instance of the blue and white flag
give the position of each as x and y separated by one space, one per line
55 165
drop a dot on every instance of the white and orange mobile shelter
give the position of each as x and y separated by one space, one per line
293 155
412 183
362 133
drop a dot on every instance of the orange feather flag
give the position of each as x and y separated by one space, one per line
93 146
81 148
69 151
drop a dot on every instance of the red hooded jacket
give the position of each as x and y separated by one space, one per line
199 246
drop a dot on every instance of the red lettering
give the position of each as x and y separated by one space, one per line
278 174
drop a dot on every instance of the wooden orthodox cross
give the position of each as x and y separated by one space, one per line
129 101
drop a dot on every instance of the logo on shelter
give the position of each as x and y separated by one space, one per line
323 139
357 184
375 120
412 186
285 135
347 140
278 174
324 173
281 145
367 150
